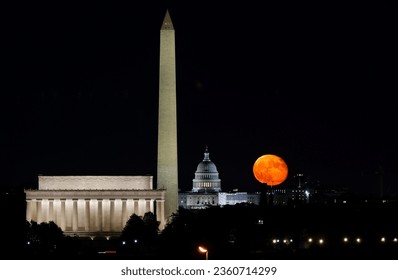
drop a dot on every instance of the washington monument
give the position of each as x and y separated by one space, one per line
167 169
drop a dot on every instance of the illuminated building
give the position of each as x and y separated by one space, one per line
100 205
93 205
206 189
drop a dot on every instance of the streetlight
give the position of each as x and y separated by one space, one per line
203 250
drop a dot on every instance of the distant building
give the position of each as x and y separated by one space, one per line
303 192
206 189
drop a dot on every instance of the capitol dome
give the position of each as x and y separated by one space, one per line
206 176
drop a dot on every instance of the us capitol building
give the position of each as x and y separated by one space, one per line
206 189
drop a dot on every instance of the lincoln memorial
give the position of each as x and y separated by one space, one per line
93 205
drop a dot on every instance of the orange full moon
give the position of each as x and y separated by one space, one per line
270 169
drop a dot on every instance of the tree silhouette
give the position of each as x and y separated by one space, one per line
43 238
134 229
151 227
140 235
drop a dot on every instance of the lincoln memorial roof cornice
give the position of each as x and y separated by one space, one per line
95 194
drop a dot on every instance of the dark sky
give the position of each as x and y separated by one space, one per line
314 83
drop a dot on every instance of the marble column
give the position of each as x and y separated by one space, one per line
106 221
135 206
51 210
124 212
74 215
39 211
148 205
112 215
31 210
63 215
87 215
93 215
99 215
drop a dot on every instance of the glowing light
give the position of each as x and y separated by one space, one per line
359 240
202 249
345 239
310 240
383 239
321 241
270 169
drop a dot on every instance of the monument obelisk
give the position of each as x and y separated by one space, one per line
167 169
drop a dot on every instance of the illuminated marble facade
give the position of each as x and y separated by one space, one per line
167 160
93 205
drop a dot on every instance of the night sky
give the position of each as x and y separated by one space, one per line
314 83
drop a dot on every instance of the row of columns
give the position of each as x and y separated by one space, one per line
91 215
